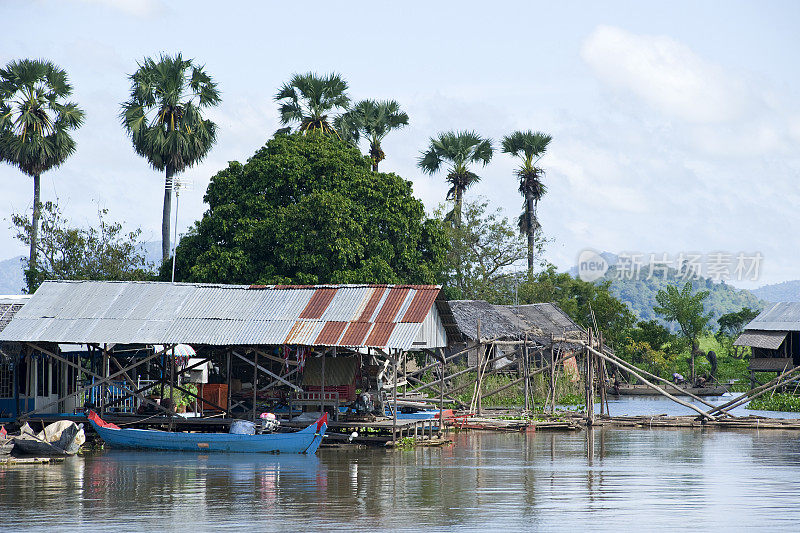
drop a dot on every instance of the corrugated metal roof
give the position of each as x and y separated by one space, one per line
9 306
167 313
771 340
784 316
510 321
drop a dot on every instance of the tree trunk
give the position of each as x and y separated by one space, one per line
374 165
166 216
531 218
37 213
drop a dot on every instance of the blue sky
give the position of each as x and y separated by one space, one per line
676 125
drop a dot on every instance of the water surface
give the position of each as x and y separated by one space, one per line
606 479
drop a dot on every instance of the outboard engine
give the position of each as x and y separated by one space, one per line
269 423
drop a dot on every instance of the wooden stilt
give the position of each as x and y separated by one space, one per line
255 383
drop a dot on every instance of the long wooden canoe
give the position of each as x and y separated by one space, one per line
646 390
304 441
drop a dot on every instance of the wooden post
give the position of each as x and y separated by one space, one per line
172 386
255 382
104 388
228 377
322 387
552 394
394 397
525 370
480 368
441 391
589 384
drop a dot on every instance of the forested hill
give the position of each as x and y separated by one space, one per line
787 291
640 293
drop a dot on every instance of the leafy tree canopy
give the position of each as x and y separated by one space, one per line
685 308
308 209
481 252
586 303
102 252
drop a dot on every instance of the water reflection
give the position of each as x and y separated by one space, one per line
615 478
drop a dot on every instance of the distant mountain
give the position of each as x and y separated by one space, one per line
11 279
640 293
787 291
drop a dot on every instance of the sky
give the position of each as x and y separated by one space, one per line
675 125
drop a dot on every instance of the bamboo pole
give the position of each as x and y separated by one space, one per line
755 393
624 364
255 383
656 387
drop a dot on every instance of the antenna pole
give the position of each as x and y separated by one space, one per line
175 239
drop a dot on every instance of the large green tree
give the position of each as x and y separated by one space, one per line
35 124
457 151
309 99
530 147
164 118
686 309
374 120
308 209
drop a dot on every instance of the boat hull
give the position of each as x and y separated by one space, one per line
645 390
304 441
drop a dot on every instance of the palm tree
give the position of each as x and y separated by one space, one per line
374 120
165 122
309 99
35 125
530 147
459 149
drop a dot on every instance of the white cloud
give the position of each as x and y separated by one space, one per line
138 8
664 73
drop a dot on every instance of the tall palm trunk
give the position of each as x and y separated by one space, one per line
37 213
167 213
531 222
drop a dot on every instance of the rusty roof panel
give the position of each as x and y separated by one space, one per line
319 302
420 305
331 331
392 304
354 336
379 336
372 304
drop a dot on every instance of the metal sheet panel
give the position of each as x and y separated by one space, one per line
784 316
770 340
158 313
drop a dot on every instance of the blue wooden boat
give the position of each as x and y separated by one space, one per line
304 441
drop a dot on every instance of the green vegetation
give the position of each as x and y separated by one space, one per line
480 251
776 402
640 292
685 308
308 99
374 120
102 252
459 150
530 147
309 209
35 125
164 119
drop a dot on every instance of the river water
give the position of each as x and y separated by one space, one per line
605 479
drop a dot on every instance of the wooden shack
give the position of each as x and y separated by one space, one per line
774 338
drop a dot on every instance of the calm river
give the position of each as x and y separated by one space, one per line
608 479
